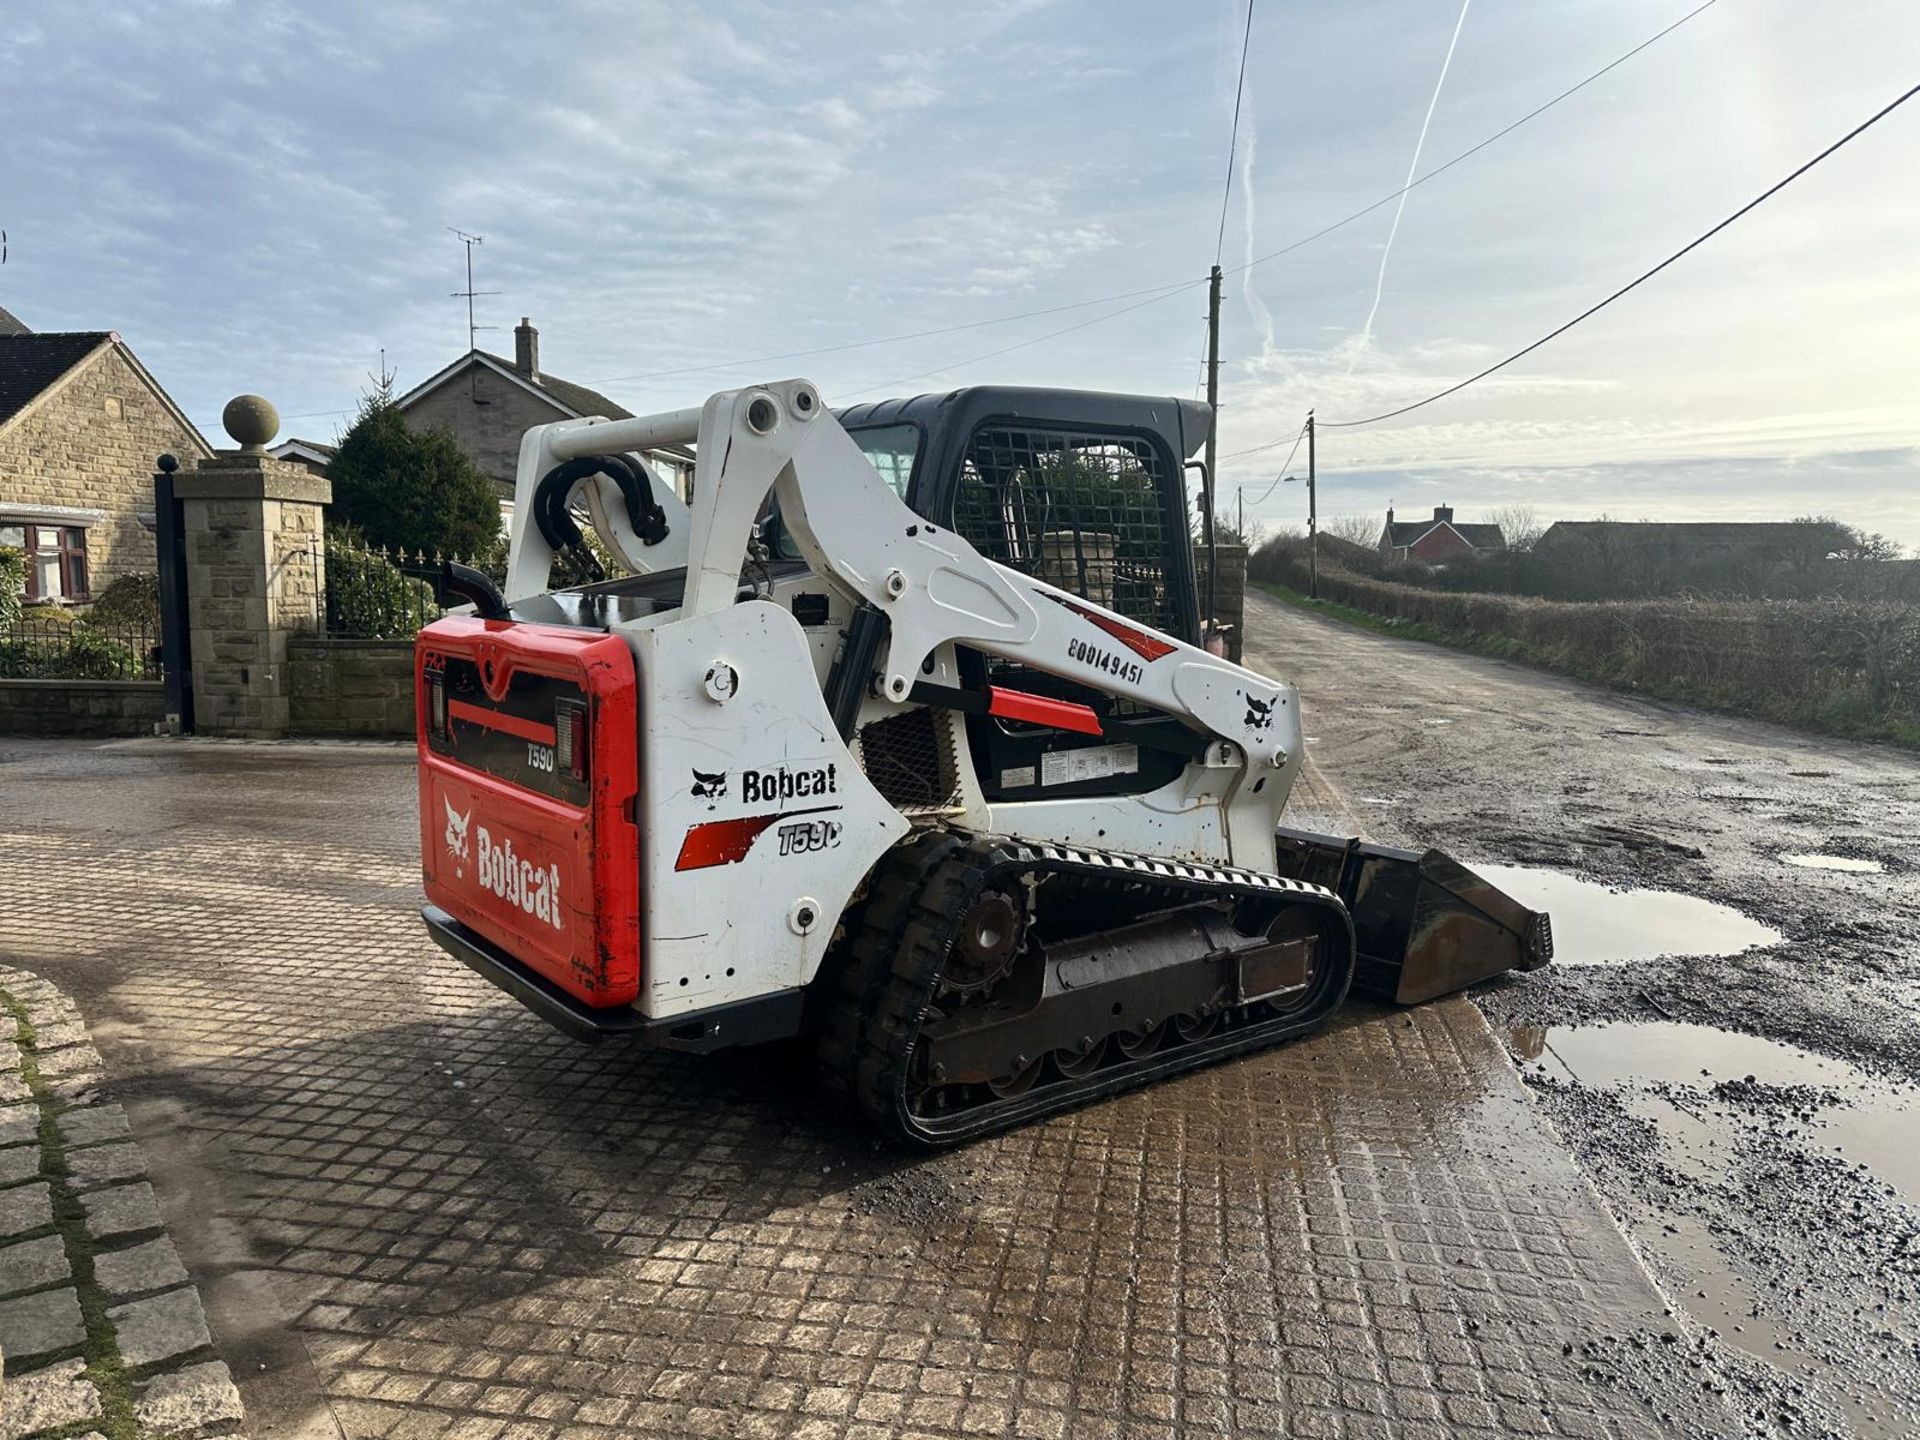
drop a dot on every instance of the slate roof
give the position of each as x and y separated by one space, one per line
1690 534
577 398
1481 537
30 363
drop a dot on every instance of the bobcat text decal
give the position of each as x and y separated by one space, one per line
534 888
759 786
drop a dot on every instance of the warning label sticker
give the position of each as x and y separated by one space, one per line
1069 767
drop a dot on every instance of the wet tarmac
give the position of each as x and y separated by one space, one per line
1782 1211
1596 924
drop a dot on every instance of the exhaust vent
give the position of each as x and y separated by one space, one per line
909 758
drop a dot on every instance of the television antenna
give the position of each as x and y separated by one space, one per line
469 293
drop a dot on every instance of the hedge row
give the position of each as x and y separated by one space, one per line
1845 666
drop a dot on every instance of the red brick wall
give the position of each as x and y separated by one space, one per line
1438 545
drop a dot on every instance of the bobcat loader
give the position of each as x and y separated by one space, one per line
901 736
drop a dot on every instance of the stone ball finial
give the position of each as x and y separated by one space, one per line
252 421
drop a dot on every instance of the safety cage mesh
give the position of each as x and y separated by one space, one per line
1085 512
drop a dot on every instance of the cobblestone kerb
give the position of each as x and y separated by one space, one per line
102 1332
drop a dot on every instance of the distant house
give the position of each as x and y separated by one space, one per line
81 424
1438 540
310 453
487 403
1684 545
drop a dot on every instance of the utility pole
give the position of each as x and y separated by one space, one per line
1240 511
1313 519
1213 428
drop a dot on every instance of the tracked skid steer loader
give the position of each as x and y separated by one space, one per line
901 735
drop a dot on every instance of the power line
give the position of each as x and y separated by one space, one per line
1635 283
1283 464
1233 135
1501 134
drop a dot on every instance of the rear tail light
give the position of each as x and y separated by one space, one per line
570 738
437 703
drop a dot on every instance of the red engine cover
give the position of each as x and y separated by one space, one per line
543 863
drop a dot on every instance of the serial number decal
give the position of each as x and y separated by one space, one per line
1105 661
540 757
808 836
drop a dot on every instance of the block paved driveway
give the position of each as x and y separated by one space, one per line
416 1211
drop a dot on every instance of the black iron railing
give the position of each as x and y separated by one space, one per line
374 593
43 646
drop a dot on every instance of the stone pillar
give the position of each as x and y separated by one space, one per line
255 577
1230 592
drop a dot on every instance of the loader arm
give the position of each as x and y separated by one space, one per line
934 588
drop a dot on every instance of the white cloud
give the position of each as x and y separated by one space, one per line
257 196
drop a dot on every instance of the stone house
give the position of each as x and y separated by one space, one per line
1436 541
487 403
81 424
313 455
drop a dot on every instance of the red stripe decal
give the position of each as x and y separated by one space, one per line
726 842
1147 647
1040 710
498 720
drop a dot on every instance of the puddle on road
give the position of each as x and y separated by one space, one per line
1664 1072
1835 862
1873 1125
1595 925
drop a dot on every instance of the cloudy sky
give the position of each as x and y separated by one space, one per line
256 193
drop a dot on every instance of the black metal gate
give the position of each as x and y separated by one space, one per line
176 657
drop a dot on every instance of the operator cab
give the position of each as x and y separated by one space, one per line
1083 490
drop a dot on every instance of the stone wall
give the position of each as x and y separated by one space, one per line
488 429
73 451
80 708
351 687
1230 593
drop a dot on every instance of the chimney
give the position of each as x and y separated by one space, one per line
1443 514
526 349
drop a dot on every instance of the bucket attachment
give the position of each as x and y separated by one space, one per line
1425 925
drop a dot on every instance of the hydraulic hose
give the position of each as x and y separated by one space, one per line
556 522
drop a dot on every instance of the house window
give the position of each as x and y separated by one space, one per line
56 560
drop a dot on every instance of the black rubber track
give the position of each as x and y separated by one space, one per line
881 985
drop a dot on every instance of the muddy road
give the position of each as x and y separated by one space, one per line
1734 1060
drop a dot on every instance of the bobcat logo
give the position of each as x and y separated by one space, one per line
1259 713
457 830
709 786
